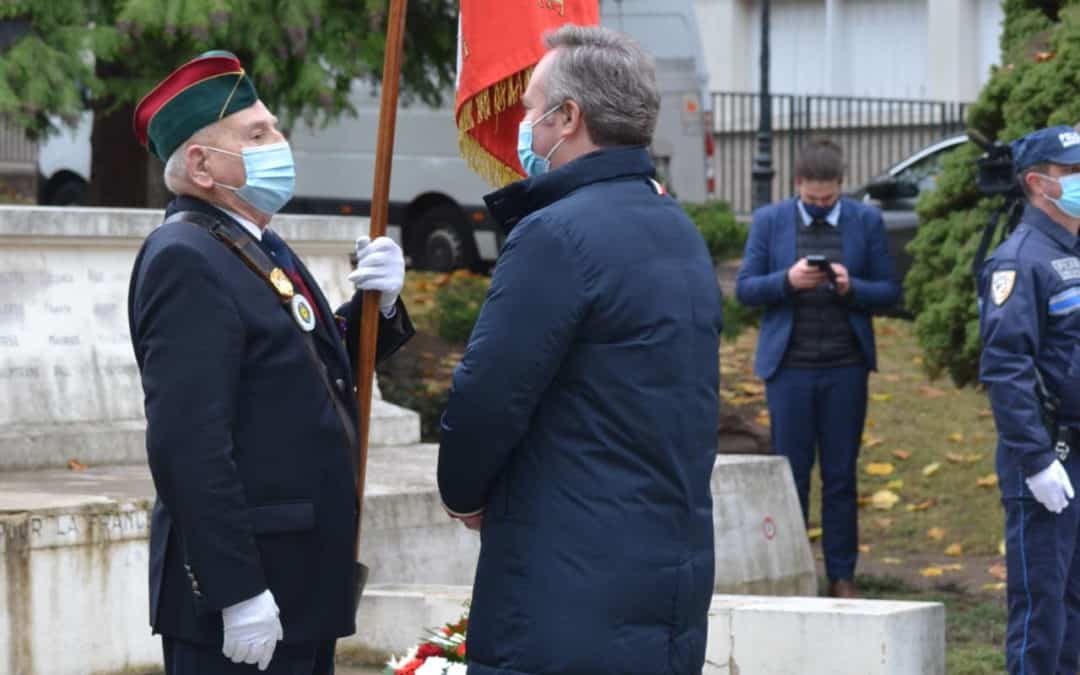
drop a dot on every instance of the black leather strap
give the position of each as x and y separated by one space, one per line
233 236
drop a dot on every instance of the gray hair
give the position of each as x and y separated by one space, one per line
611 77
176 167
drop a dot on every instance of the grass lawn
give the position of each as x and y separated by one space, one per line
931 523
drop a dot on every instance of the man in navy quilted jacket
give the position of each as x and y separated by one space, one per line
581 429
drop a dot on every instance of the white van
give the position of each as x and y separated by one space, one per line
436 202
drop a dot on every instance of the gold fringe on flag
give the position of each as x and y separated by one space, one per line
481 108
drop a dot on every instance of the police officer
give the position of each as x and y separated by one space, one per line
248 392
1029 293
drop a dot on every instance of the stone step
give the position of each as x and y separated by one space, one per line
747 634
73 553
40 446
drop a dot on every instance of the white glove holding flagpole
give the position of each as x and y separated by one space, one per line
380 266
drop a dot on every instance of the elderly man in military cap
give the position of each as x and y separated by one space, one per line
251 425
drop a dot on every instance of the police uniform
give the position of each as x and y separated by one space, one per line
249 451
1030 324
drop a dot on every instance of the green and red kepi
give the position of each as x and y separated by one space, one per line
204 90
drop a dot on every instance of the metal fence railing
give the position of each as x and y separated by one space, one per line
875 133
18 155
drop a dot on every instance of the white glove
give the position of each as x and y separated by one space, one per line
1052 487
380 266
252 630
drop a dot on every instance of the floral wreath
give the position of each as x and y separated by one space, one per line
441 653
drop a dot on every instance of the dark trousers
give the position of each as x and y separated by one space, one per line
184 658
1042 554
823 410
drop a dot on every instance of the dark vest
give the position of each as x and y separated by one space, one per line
822 336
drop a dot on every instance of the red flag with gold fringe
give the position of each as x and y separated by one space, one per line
500 42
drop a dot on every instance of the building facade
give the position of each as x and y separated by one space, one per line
912 49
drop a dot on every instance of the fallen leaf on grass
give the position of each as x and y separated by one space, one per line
930 392
881 398
921 506
956 437
952 567
931 571
883 523
871 441
752 388
936 533
892 561
999 586
902 455
883 500
814 533
917 360
985 413
897 484
954 458
989 481
998 571
891 377
864 548
931 469
879 469
76 465
954 550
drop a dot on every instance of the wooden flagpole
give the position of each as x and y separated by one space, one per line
380 201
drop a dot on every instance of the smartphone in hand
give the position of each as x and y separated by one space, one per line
822 263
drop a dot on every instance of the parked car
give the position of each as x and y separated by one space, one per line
897 191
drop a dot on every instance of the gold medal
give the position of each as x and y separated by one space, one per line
281 283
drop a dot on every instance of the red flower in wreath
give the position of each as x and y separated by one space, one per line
410 667
428 649
461 650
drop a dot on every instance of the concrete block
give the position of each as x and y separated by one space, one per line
70 589
817 636
748 635
761 544
68 378
393 618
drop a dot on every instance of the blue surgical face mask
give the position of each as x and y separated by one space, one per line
1069 202
271 176
818 212
533 163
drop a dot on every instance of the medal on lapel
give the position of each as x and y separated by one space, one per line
281 283
301 311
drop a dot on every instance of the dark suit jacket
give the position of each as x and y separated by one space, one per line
770 251
254 475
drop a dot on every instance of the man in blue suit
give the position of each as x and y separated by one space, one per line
249 394
819 265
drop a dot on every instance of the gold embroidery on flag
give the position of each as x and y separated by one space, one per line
552 4
486 106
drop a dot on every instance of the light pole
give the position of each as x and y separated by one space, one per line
763 165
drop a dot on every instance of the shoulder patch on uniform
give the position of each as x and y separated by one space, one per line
1001 285
1067 268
